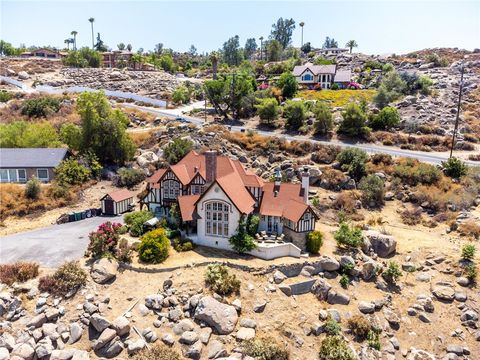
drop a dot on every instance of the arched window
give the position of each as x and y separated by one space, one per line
216 218
307 77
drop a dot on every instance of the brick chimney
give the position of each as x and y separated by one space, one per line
305 184
278 180
210 166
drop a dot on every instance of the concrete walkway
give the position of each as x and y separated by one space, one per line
53 245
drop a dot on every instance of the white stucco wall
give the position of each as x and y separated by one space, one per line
216 193
268 252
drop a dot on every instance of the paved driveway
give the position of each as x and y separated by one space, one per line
52 245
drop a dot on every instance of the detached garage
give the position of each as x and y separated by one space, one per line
117 202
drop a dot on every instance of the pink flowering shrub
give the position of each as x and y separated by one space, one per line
103 242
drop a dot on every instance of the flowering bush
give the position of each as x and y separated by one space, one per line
103 242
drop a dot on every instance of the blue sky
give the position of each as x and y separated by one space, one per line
379 27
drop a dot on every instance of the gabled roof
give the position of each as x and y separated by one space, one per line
287 203
232 185
343 76
314 69
31 157
186 204
120 195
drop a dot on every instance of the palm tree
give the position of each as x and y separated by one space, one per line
214 60
261 46
74 33
67 41
351 44
91 23
301 25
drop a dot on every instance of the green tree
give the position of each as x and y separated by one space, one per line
306 48
294 113
121 46
386 119
323 119
242 241
353 121
454 168
274 50
250 47
181 95
282 31
177 149
71 172
103 129
74 34
166 62
268 110
7 49
71 135
154 246
353 161
329 43
382 98
288 84
232 54
22 134
351 44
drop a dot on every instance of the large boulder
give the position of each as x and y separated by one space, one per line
321 288
147 158
104 270
23 75
221 317
329 264
369 270
445 293
383 245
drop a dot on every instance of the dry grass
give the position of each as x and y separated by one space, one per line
13 201
411 217
19 271
338 98
469 229
143 139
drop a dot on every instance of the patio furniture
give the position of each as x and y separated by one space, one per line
263 233
281 237
258 237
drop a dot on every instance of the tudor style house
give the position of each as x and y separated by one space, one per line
322 76
213 193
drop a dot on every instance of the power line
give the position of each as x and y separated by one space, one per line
462 69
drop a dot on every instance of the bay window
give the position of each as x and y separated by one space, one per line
216 219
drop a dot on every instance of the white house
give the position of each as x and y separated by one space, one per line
214 192
310 74
332 51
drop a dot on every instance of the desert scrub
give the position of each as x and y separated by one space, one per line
335 348
128 177
359 326
347 236
19 271
470 229
154 246
218 278
40 107
332 328
67 279
411 217
373 339
157 352
265 349
392 273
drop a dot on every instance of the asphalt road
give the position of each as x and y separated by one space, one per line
52 245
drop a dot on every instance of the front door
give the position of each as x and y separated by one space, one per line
109 207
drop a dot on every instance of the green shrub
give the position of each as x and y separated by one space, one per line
181 245
129 177
85 57
68 278
32 189
344 281
372 188
157 352
373 339
177 149
424 84
154 246
413 172
471 273
359 326
218 278
181 95
335 348
40 107
393 272
265 349
353 161
268 110
19 271
323 119
314 242
242 241
294 113
135 221
354 122
332 327
5 96
468 252
103 242
386 119
71 172
454 168
349 237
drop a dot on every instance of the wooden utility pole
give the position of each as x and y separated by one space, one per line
454 135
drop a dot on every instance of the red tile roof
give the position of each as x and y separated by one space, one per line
156 176
120 195
186 203
288 202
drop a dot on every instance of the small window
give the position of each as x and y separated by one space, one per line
42 174
22 175
13 175
3 175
